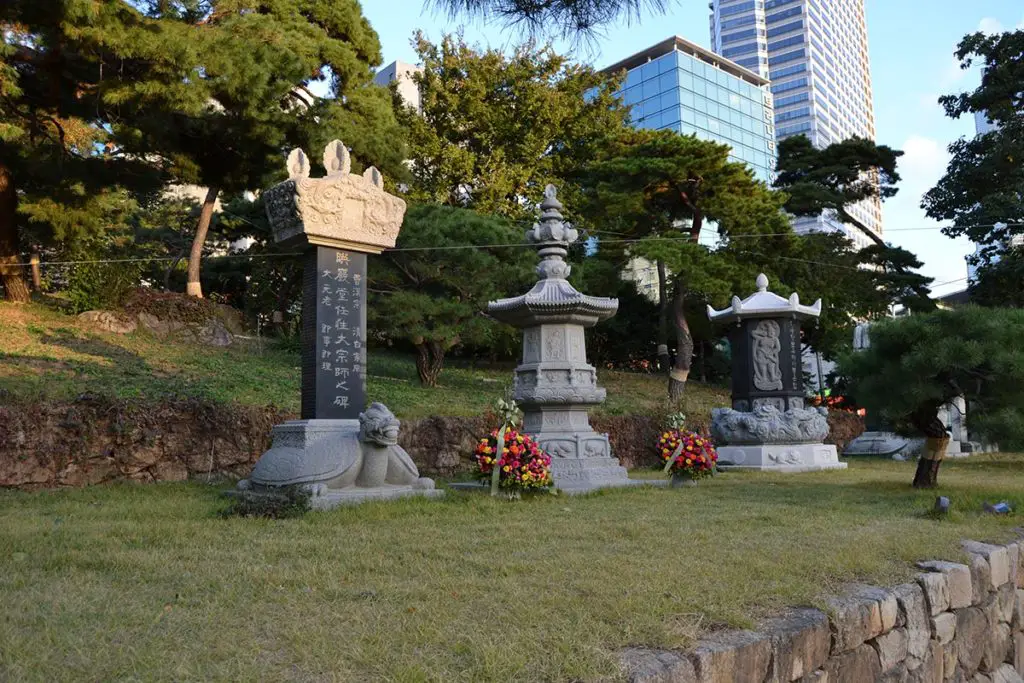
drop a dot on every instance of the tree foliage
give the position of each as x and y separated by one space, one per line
663 189
62 175
494 129
1000 283
234 95
433 295
568 18
916 364
853 284
982 191
833 178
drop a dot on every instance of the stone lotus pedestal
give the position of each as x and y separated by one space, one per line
554 384
768 426
337 452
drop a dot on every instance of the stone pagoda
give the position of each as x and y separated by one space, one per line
554 385
768 426
340 451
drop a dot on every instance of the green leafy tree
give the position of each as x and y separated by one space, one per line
982 191
235 95
1001 282
62 174
570 18
433 295
917 363
660 184
833 178
495 129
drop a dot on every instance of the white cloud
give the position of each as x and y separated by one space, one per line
990 25
922 164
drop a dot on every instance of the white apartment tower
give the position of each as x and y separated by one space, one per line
815 52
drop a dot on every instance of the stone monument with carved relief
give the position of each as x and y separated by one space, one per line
340 451
554 384
768 426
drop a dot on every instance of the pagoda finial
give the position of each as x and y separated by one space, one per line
552 229
762 283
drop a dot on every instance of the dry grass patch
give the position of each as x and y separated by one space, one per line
148 583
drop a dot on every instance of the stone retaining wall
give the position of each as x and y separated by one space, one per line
95 439
956 623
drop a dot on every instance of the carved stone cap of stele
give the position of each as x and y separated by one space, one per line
339 210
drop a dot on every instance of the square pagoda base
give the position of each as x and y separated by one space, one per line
808 457
583 475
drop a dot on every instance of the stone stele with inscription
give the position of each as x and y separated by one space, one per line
768 426
554 384
338 451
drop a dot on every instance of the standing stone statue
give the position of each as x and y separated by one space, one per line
554 384
338 451
768 426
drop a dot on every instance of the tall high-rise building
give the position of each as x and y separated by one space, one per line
815 52
403 73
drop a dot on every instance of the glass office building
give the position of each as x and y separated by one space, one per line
815 52
680 86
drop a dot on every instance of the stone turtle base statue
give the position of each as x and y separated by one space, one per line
339 461
774 440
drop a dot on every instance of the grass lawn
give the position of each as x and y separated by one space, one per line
148 583
47 353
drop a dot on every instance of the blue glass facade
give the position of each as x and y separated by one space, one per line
681 92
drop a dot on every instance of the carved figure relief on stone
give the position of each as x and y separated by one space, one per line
531 345
554 347
767 347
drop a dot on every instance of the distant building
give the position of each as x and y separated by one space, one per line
680 86
402 73
816 54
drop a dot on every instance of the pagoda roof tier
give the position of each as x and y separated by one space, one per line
553 301
765 304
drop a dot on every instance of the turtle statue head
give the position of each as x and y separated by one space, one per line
378 425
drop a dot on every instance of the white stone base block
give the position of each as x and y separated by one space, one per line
582 475
808 457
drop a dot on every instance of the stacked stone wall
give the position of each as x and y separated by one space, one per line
955 623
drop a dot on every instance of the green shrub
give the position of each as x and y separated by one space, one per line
93 286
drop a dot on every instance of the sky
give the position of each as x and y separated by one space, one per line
911 44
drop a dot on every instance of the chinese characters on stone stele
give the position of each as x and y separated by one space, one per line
340 375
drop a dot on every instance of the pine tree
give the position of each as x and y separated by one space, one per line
917 363
62 173
434 298
660 184
835 177
569 18
235 94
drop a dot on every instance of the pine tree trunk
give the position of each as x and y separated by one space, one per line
429 362
12 276
664 360
684 346
936 441
194 286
